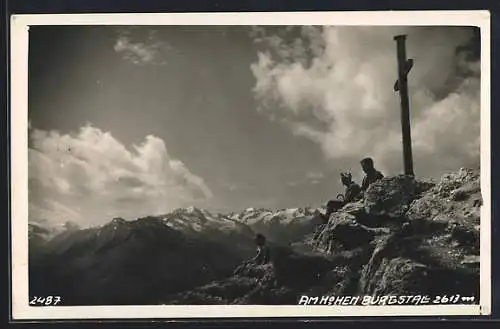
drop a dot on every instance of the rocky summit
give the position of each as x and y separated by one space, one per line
408 236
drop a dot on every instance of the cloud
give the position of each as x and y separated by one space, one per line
90 177
314 175
334 85
149 51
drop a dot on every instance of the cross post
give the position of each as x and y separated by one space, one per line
401 85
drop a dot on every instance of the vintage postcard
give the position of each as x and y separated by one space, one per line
250 165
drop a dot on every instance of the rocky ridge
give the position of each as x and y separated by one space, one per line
406 237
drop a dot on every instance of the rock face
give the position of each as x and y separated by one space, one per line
407 236
392 196
276 283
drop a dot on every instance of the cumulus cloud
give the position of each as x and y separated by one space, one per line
90 177
314 175
334 85
151 50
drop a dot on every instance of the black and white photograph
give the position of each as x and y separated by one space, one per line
311 165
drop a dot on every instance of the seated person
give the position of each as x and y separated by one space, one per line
352 190
263 253
352 193
371 174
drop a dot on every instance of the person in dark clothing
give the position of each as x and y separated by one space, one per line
352 190
263 253
352 193
371 174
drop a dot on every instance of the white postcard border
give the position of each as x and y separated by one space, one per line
19 162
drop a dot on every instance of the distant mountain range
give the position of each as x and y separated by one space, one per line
152 256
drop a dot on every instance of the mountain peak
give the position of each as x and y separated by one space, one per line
118 220
191 209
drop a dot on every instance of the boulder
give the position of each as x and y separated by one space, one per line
453 206
343 231
356 209
392 196
396 276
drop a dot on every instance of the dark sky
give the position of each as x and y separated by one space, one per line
205 98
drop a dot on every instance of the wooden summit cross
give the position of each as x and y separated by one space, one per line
401 85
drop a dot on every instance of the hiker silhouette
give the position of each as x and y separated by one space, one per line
371 174
263 254
352 193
